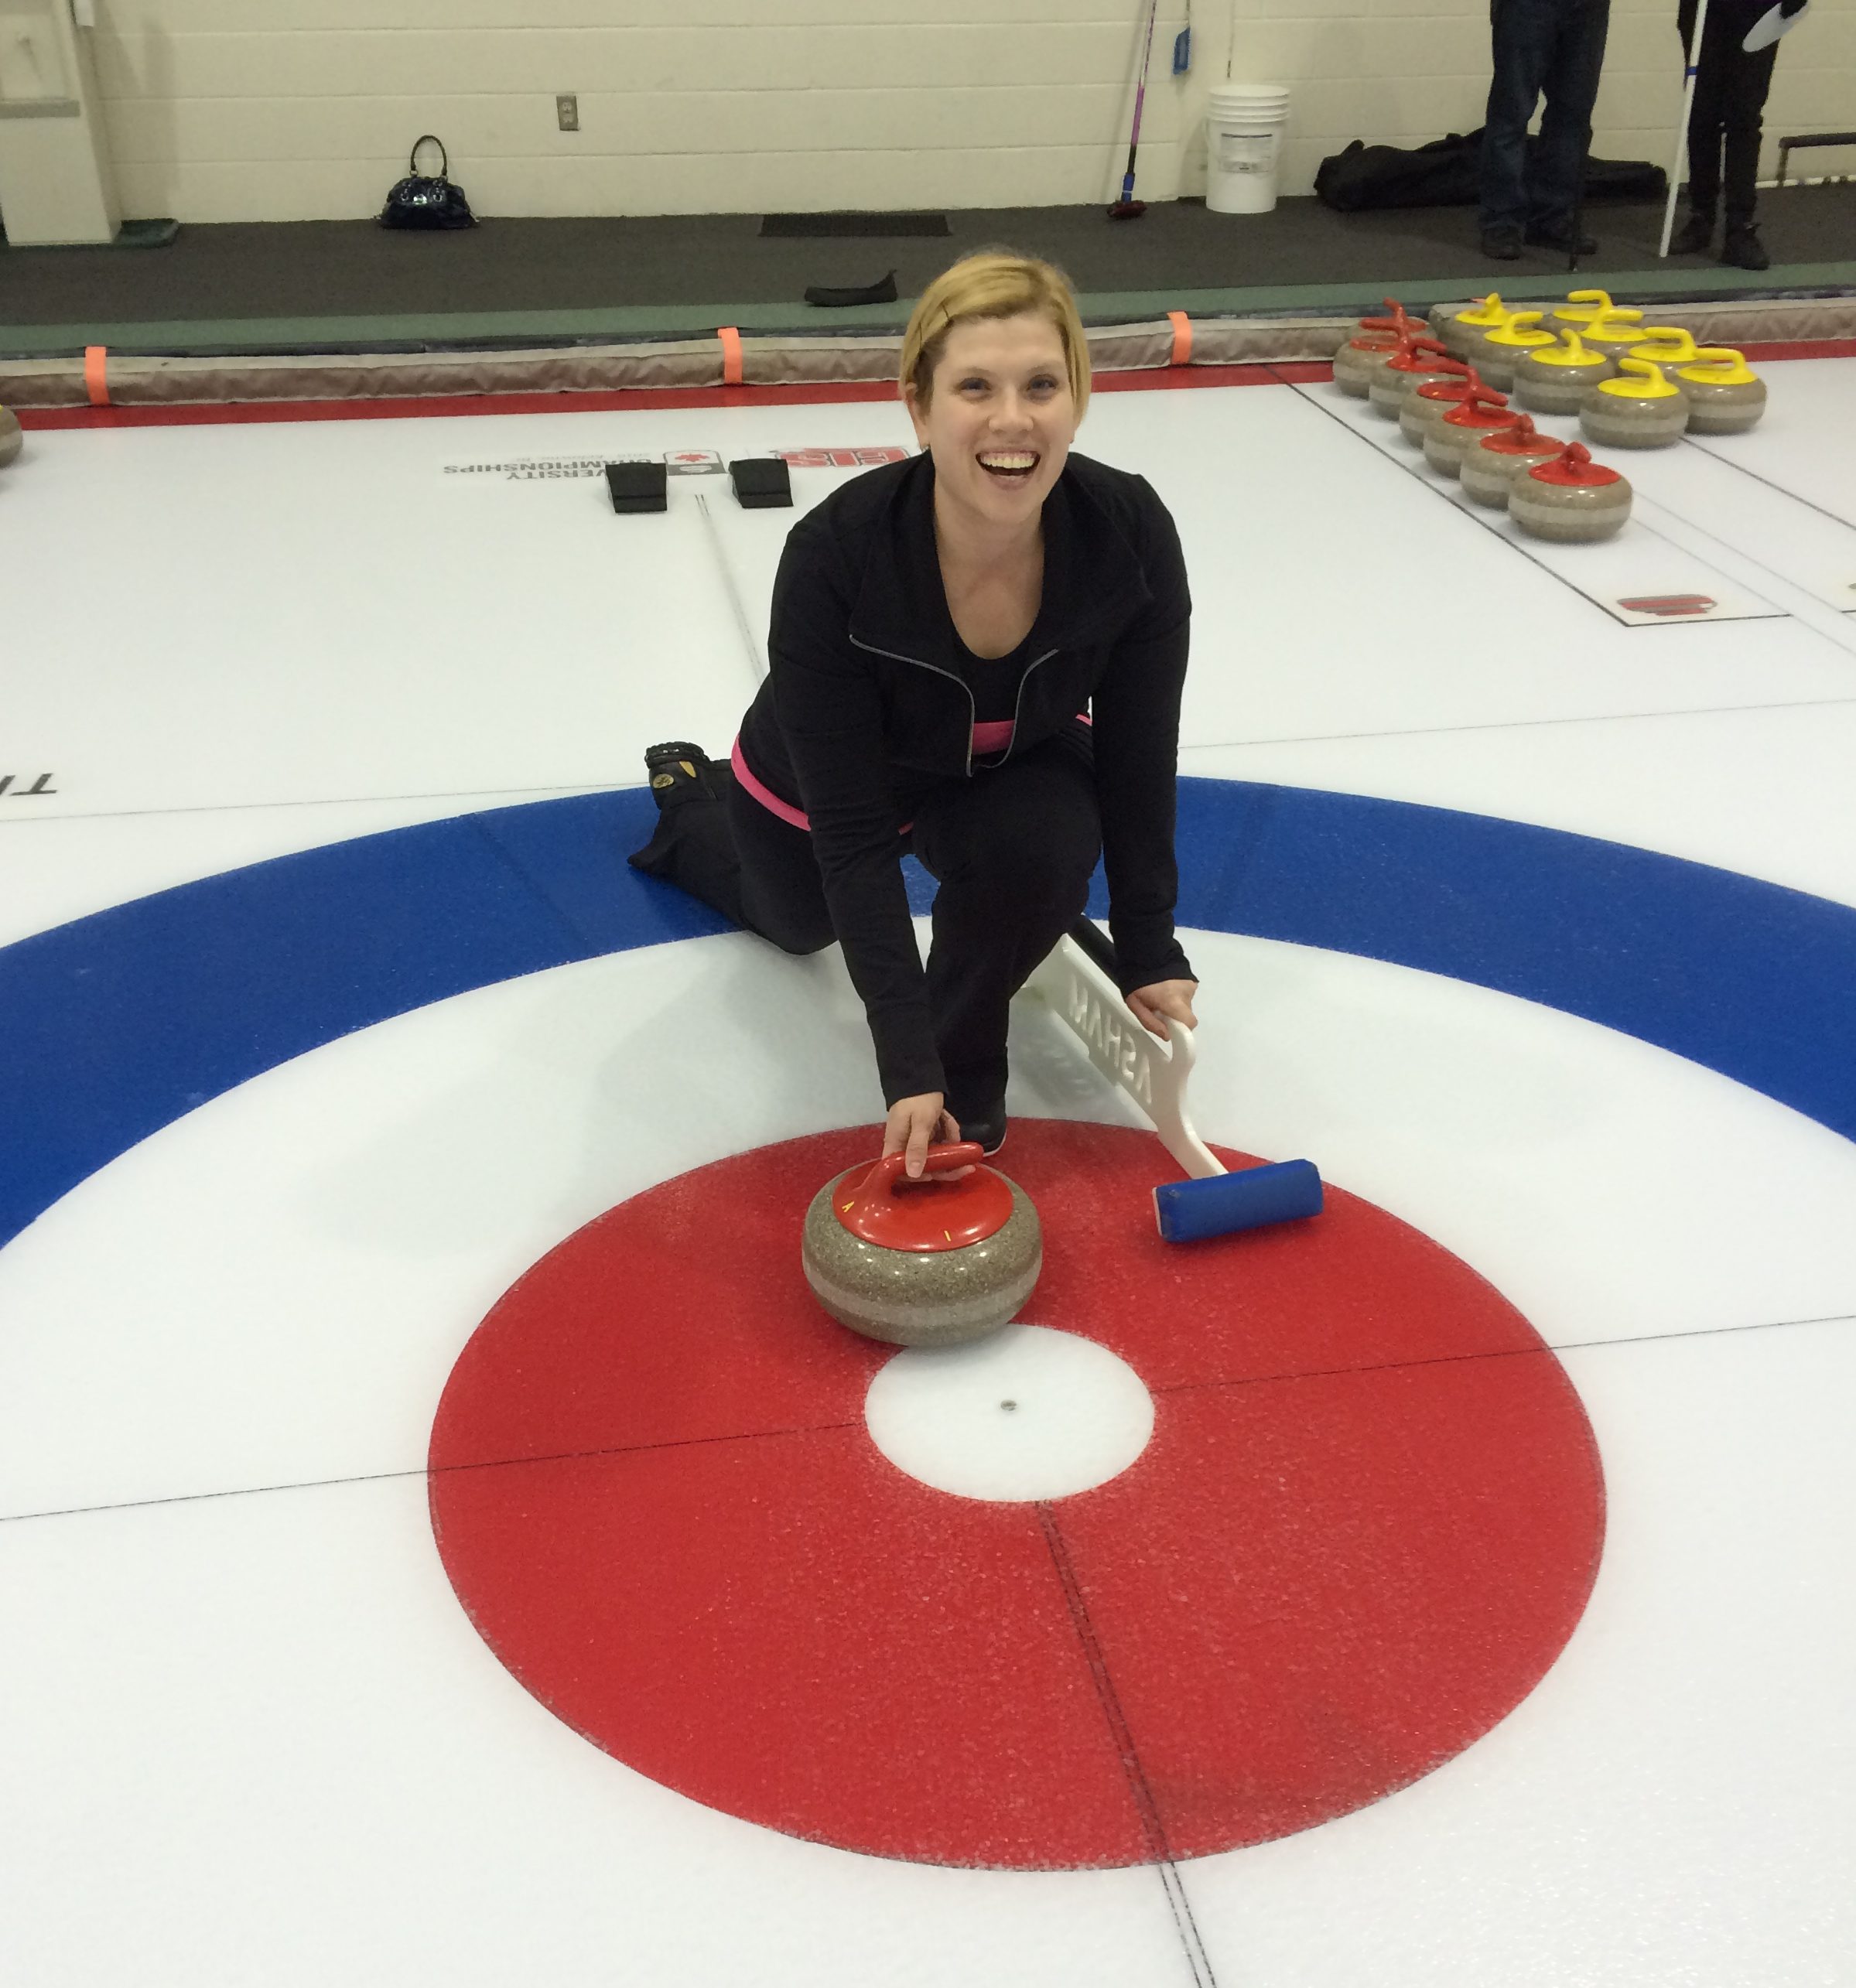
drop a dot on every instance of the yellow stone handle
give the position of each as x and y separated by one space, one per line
1646 382
1720 365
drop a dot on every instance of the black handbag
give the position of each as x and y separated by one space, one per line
418 201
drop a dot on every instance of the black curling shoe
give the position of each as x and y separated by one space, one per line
1744 250
986 1129
679 771
1697 233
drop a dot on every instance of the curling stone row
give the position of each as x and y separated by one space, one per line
1573 500
1376 340
11 440
1652 403
1551 490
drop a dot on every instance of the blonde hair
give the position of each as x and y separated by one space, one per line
995 283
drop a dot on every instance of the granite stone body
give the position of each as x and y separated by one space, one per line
1418 409
1447 443
12 438
1500 357
1392 382
1488 473
1714 408
909 1298
1569 515
1358 360
1547 389
1463 334
1619 421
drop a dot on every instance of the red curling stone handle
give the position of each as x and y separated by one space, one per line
934 1213
887 1174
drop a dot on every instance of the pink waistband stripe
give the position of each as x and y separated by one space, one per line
996 738
765 795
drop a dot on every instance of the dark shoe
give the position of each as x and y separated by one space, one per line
985 1128
1562 240
1697 235
1744 250
1504 244
679 771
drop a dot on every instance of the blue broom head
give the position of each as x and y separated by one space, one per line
1182 51
1253 1198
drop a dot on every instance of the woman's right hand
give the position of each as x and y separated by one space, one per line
914 1124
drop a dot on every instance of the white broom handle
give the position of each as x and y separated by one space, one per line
1688 100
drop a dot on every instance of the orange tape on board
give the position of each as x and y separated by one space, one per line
1182 338
731 355
96 374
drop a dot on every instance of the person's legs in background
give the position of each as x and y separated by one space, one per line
1521 33
1576 61
1705 123
1748 79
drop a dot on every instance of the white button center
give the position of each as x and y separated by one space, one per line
1027 1413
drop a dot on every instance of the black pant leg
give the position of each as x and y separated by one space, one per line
1521 33
1748 79
1706 112
742 860
1012 850
1571 83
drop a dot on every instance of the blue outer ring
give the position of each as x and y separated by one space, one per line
115 1025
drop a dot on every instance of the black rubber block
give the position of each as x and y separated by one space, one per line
638 485
762 482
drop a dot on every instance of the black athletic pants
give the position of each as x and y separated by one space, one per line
1012 850
1731 88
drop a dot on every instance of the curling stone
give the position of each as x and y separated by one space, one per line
1417 363
1665 346
1491 460
1481 411
926 1262
1504 348
1463 331
1614 333
1640 409
1362 356
1572 499
1580 308
1557 377
11 440
1358 358
1725 395
1398 321
1439 315
1430 400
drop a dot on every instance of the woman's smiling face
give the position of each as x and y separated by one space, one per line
1001 418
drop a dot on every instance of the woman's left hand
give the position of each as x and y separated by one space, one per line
1164 997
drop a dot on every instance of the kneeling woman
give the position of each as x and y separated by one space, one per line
977 656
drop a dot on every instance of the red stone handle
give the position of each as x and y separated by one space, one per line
887 1174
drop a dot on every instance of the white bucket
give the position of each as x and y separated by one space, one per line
1244 125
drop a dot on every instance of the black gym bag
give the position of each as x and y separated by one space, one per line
1443 174
418 201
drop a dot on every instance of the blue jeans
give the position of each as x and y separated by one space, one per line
1552 46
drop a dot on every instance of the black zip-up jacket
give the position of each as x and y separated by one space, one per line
864 710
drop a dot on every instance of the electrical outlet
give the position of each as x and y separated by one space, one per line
568 110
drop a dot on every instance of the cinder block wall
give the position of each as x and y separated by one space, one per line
305 109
